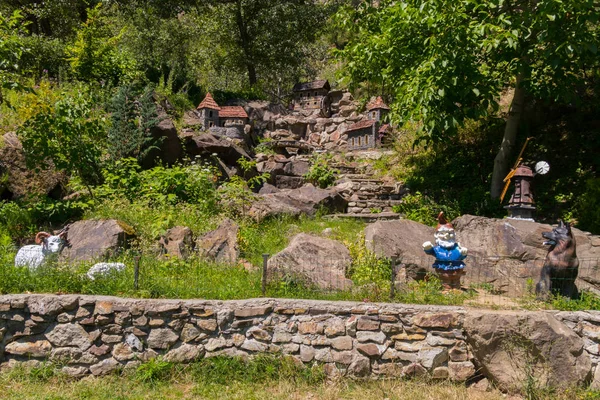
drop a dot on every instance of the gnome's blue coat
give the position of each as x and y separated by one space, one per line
447 259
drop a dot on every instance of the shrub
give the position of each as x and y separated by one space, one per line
588 207
421 208
320 172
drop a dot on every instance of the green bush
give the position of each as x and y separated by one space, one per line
320 173
421 208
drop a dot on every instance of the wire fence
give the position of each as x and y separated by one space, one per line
503 281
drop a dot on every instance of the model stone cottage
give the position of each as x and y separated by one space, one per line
369 132
311 95
211 114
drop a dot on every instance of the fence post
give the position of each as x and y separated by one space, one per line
264 275
394 260
136 271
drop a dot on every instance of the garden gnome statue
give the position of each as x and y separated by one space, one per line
448 254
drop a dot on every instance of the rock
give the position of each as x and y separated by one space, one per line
461 371
169 149
401 238
289 182
177 242
296 168
162 338
305 200
65 335
361 366
220 245
122 352
520 245
509 345
184 353
105 367
366 336
92 239
314 260
267 188
72 355
432 357
207 144
18 181
37 349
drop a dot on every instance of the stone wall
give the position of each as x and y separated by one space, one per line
96 335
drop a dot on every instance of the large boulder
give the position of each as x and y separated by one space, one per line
206 144
220 245
17 181
169 149
509 253
95 239
403 239
505 253
305 200
514 347
177 242
313 260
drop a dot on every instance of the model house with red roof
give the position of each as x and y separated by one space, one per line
211 114
370 132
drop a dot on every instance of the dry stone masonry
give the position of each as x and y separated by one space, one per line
98 335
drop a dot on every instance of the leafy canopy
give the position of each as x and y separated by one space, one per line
11 49
68 133
445 61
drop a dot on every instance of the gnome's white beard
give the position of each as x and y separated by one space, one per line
447 244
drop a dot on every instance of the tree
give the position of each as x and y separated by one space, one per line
133 115
446 61
271 36
69 134
95 55
11 49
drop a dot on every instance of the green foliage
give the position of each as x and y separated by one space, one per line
154 370
320 173
586 301
193 183
588 207
95 54
367 267
447 62
133 115
429 291
421 208
11 49
69 134
235 197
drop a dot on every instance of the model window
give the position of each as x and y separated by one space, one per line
367 140
210 124
210 114
360 141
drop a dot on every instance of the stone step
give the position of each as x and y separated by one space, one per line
373 217
374 203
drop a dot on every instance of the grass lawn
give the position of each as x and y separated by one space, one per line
226 378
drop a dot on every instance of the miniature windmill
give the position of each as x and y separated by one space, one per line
521 204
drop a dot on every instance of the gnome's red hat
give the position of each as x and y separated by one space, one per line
443 222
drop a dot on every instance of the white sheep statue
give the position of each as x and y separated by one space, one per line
33 255
104 268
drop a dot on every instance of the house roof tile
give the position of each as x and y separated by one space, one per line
232 112
367 123
321 84
378 103
209 102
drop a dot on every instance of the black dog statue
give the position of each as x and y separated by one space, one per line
561 265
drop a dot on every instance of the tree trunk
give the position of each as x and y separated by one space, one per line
245 40
502 160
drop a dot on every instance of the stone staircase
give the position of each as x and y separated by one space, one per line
367 194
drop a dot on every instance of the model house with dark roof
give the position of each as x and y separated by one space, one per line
211 114
311 95
369 133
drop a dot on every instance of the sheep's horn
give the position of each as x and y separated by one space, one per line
40 236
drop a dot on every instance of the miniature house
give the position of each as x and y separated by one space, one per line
369 133
211 114
311 95
521 204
